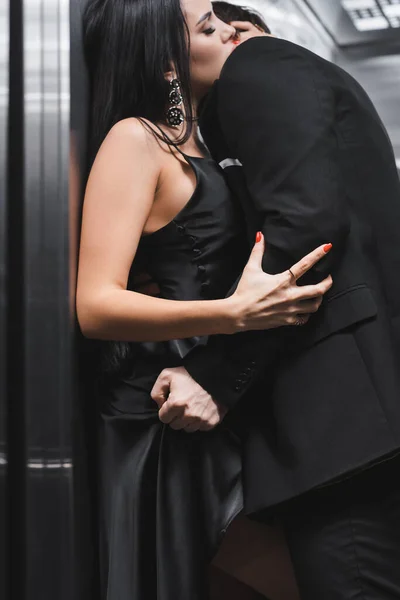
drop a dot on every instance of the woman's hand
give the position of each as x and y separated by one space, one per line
266 301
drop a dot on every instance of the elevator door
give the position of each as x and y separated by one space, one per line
44 541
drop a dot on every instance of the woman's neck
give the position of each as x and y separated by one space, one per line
192 146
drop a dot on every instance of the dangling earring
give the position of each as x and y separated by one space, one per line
174 113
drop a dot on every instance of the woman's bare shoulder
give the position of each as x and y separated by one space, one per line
132 132
129 142
129 151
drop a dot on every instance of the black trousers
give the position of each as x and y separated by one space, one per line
345 538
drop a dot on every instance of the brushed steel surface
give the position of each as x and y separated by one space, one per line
48 339
4 100
380 76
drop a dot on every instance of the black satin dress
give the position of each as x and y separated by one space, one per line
167 496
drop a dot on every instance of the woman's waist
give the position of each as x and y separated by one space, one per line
144 361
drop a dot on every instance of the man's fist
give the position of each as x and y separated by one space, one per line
183 403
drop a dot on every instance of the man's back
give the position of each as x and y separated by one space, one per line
310 159
372 185
312 163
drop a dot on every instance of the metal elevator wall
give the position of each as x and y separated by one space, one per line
46 548
4 97
47 443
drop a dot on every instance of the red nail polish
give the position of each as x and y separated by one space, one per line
327 247
258 237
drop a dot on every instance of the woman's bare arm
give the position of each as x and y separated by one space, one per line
119 197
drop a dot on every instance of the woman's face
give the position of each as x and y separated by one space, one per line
211 42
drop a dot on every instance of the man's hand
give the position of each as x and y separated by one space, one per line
183 403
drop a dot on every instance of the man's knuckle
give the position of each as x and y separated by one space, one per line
191 413
164 418
178 403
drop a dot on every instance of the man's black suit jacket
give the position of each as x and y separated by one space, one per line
307 154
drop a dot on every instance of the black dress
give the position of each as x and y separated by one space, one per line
167 496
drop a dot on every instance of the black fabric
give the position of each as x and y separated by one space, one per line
345 539
317 167
167 496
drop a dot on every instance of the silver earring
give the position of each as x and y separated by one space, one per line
174 113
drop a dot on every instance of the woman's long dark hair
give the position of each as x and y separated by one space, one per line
129 46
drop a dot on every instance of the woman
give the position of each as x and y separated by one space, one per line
156 204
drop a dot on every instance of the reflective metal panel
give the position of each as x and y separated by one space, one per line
380 76
359 22
4 98
15 380
48 338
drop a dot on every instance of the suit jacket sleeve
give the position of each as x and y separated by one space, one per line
276 113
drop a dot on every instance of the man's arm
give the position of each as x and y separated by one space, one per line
276 112
277 115
226 367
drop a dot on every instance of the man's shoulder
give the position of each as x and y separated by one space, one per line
262 52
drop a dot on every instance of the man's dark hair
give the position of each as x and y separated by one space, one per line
229 12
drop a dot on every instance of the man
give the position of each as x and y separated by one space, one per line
310 160
249 22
